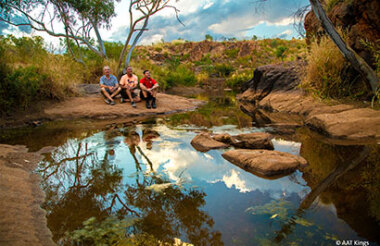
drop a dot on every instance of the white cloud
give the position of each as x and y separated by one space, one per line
156 38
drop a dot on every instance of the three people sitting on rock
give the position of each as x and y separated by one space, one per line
128 88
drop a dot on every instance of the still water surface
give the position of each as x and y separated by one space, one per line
150 171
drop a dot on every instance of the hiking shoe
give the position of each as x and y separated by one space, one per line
122 100
147 104
154 104
133 104
112 103
107 101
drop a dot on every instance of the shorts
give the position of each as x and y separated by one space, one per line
134 93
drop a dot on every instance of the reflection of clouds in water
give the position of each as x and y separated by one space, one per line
175 156
286 146
233 130
234 180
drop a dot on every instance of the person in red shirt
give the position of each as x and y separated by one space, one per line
149 88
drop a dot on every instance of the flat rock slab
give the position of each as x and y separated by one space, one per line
22 221
203 142
94 107
255 140
275 88
265 162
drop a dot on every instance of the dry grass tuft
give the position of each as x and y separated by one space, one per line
324 67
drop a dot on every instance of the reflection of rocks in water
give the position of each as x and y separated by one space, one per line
132 138
148 136
218 112
279 123
356 194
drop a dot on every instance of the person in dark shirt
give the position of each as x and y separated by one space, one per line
109 86
149 88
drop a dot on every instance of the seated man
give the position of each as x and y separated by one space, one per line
129 83
149 89
109 86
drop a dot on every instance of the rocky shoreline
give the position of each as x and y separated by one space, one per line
275 89
90 105
22 220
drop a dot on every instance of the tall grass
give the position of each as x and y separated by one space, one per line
30 74
324 69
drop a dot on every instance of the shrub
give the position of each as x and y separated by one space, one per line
324 68
180 76
280 52
30 74
223 69
232 53
238 79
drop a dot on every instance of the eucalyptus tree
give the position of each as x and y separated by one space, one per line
79 19
140 12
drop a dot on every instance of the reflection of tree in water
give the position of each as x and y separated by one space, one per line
218 112
79 184
338 174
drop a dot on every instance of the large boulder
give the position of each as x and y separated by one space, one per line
203 142
265 162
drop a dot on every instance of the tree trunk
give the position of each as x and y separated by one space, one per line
127 60
357 62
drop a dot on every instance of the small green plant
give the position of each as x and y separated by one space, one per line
223 69
232 53
237 79
180 76
281 52
208 37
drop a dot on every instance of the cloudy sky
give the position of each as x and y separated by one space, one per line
218 18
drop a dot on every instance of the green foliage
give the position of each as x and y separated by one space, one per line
208 37
274 43
30 74
232 53
238 79
110 231
24 86
254 37
224 69
180 76
280 52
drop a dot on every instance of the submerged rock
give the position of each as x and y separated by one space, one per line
203 142
265 162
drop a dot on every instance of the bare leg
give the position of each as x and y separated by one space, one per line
105 93
129 94
115 93
137 99
154 92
